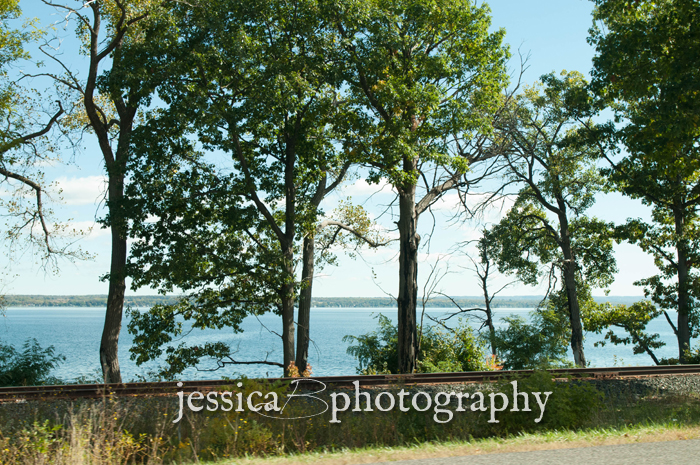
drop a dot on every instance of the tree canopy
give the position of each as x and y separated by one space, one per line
224 126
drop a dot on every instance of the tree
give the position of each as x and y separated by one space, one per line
107 105
547 226
424 80
262 79
645 69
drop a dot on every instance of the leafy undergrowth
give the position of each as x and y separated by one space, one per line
140 430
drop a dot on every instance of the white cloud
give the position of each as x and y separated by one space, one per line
361 188
82 191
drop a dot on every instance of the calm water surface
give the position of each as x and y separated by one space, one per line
76 332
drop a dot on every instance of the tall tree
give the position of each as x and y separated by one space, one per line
424 79
645 69
108 105
262 82
547 226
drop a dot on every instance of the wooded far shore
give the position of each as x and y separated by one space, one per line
332 302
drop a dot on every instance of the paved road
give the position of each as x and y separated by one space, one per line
652 453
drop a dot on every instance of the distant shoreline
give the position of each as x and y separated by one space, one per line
323 302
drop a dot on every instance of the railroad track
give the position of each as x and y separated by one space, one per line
76 391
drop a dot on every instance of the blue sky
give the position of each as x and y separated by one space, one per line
552 33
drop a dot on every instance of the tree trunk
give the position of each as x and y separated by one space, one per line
489 320
571 295
304 316
287 296
683 327
408 278
484 276
109 344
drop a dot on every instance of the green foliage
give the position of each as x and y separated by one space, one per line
443 350
540 343
693 356
354 216
644 68
157 329
633 319
376 352
519 244
28 141
11 49
423 81
418 74
30 367
266 92
571 404
660 239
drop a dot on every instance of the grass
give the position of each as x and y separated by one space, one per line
140 430
547 440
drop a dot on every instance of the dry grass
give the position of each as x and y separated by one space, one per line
140 430
520 443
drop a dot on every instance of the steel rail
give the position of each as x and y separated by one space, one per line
75 391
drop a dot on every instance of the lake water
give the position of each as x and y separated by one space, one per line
76 332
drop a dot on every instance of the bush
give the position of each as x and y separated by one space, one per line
449 350
692 357
377 352
571 404
542 343
30 367
124 430
442 349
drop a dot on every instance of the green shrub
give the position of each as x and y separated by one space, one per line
442 349
30 367
541 343
377 352
571 404
692 357
450 350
